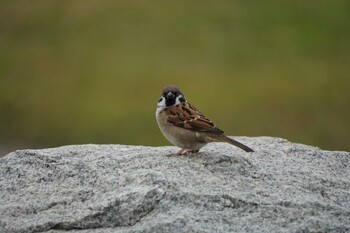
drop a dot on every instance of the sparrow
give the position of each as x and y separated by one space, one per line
185 126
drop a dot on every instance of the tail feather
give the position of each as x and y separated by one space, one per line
236 143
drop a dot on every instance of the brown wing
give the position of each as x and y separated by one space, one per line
186 116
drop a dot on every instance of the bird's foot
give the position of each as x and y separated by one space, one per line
186 151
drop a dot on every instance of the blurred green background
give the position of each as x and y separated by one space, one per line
92 71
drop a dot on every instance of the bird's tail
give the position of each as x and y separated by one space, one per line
224 138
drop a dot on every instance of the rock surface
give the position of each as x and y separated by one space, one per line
282 187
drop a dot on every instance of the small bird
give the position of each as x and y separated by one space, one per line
186 127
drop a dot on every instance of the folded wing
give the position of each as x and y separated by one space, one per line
186 116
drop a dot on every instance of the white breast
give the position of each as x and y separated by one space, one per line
165 127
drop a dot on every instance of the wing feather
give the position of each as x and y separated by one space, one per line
186 116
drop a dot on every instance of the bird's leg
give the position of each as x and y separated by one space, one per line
185 151
182 152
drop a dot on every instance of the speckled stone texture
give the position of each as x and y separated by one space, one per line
282 187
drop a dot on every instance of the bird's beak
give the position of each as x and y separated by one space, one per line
170 95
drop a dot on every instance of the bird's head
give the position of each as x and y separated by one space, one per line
171 95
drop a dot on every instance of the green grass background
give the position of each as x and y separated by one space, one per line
92 71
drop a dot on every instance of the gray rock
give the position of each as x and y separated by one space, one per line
282 187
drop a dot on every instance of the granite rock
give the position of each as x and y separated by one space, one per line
281 187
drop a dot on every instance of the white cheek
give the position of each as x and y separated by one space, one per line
178 99
161 104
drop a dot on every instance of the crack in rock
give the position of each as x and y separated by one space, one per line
120 212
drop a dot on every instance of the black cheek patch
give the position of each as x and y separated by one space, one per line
182 99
